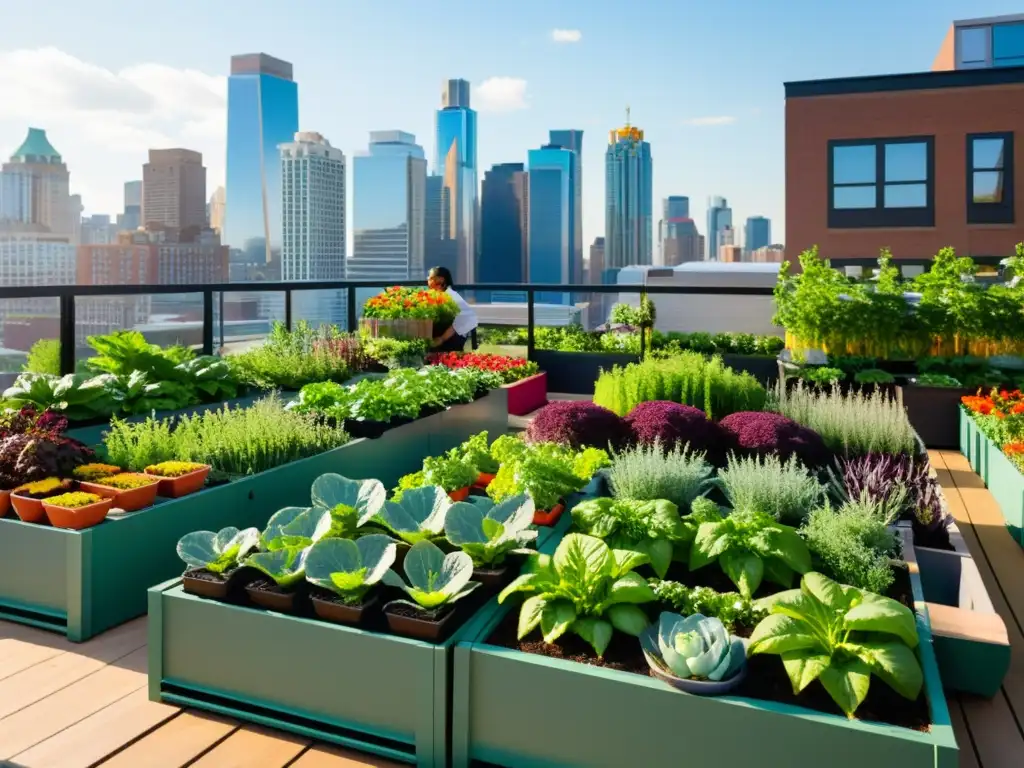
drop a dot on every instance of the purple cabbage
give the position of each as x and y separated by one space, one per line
760 433
673 423
578 424
33 447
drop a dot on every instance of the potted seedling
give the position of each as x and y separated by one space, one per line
91 473
76 509
130 491
694 654
352 504
345 573
179 478
456 475
284 545
419 516
477 452
490 535
214 558
435 582
27 498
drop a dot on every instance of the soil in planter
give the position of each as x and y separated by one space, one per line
934 539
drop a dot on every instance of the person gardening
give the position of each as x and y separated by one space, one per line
454 337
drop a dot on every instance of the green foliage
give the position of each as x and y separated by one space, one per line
874 376
418 516
489 532
937 380
350 569
291 359
694 647
44 357
450 472
689 378
434 578
651 528
547 471
217 552
821 375
648 472
396 353
731 608
853 545
840 636
784 490
477 451
675 342
586 588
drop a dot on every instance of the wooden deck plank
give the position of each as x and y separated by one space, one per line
18 655
253 747
45 718
334 757
38 681
92 739
968 757
178 742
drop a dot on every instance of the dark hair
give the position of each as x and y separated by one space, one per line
443 273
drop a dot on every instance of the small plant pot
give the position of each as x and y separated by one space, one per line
203 583
78 518
27 509
183 485
491 578
460 495
483 480
130 499
5 502
549 517
339 613
266 594
419 625
649 642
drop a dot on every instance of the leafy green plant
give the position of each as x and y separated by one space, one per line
649 472
821 375
44 357
694 647
732 608
477 452
292 359
419 516
785 490
350 569
286 567
852 543
294 527
936 380
874 376
136 445
451 472
749 547
840 636
489 535
218 552
548 472
351 504
435 580
585 588
648 527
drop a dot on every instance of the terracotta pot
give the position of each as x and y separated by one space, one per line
329 610
491 578
460 495
483 480
176 487
130 499
27 509
5 502
214 589
418 629
549 517
79 518
271 599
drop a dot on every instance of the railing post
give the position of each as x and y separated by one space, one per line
207 322
530 341
288 310
350 305
67 334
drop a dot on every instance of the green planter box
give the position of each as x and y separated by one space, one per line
83 582
527 711
1001 476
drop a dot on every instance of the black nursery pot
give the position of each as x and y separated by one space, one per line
491 578
367 429
203 583
337 612
266 594
418 624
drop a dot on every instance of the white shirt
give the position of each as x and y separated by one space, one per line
465 321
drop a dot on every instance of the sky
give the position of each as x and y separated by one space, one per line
110 79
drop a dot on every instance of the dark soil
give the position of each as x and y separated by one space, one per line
205 575
933 539
326 596
900 590
266 585
415 613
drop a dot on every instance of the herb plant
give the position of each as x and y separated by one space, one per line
648 527
646 473
476 450
783 489
350 569
74 499
694 647
732 608
451 472
435 580
218 552
874 376
853 544
822 375
488 536
291 359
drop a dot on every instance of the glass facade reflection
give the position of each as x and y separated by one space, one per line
503 225
552 220
719 218
757 233
629 198
456 164
388 210
573 139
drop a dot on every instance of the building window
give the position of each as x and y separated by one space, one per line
881 183
972 47
990 178
1008 45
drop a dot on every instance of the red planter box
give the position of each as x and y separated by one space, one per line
527 395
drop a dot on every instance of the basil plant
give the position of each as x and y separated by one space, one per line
350 568
488 532
586 588
218 552
694 647
435 579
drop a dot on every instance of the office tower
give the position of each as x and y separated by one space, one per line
729 252
389 209
130 218
628 198
439 248
263 113
599 302
552 212
503 230
97 230
35 189
573 139
727 236
719 217
769 254
678 238
217 208
757 233
455 163
174 192
313 224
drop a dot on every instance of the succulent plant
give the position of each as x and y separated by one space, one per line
694 647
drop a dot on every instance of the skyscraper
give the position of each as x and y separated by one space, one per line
757 233
131 218
263 112
388 209
678 239
313 224
174 191
455 163
503 228
35 188
552 219
217 208
719 217
628 198
573 139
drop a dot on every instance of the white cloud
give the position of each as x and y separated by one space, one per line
103 122
500 94
713 120
566 35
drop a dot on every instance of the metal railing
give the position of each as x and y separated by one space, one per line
67 294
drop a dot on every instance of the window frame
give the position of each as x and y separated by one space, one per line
880 216
991 213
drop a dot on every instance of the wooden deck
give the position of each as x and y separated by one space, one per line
66 705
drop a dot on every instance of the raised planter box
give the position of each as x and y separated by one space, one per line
574 373
933 412
970 442
527 395
764 368
1004 480
83 582
497 720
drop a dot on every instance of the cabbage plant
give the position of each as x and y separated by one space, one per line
217 552
586 588
488 534
649 527
351 503
434 578
350 568
286 541
286 566
419 516
694 647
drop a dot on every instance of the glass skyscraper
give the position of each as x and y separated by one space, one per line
551 245
573 139
629 200
757 233
263 112
719 218
503 228
455 164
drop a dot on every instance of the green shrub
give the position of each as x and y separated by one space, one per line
648 473
853 545
785 490
291 359
44 357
